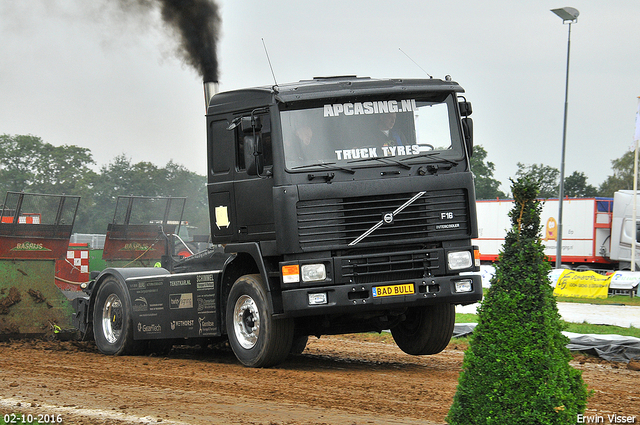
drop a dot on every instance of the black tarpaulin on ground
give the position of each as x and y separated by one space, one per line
615 348
463 329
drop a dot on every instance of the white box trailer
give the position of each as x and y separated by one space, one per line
586 230
622 229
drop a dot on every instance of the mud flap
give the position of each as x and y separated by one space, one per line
80 316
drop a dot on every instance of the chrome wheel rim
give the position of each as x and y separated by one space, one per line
112 318
246 322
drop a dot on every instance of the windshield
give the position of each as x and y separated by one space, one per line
342 134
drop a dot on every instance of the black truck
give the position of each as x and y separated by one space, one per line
337 205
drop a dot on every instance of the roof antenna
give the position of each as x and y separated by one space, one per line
269 60
415 63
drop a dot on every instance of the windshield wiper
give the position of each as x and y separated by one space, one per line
330 165
429 155
382 158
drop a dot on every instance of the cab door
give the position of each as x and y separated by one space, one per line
221 175
253 193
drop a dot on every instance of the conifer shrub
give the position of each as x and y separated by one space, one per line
516 370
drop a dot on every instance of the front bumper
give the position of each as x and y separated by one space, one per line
354 298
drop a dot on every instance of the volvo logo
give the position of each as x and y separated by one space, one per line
387 218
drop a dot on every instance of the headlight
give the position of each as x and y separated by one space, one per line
313 272
459 260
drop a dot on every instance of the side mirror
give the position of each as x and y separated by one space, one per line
246 124
253 155
467 131
250 124
465 108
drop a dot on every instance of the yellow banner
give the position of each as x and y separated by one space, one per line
582 285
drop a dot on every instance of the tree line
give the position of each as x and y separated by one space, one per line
548 178
31 165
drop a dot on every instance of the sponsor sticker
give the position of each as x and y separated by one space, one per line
181 324
153 328
179 301
207 327
140 304
206 303
370 108
377 152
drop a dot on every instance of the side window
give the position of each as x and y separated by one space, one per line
239 149
265 143
432 125
220 145
266 140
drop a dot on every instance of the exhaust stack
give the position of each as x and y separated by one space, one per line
211 88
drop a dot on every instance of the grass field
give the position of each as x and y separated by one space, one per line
581 328
617 300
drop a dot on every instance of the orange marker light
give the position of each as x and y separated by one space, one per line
291 274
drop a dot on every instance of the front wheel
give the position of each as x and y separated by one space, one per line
112 323
256 338
426 330
299 344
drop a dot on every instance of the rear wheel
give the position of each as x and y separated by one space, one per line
426 330
256 338
112 323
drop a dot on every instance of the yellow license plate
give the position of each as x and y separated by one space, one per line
391 290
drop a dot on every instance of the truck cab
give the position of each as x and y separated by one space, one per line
351 198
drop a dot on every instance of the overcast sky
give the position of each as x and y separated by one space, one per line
82 73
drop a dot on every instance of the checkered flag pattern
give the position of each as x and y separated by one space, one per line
79 259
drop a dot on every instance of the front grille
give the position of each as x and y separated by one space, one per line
334 223
388 267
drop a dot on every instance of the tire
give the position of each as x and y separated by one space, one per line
299 344
427 330
112 323
256 338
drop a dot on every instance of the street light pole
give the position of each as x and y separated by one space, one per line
569 15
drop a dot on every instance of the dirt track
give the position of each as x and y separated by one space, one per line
337 380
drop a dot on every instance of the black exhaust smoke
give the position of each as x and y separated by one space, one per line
196 22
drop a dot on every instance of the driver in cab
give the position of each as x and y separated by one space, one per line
387 135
